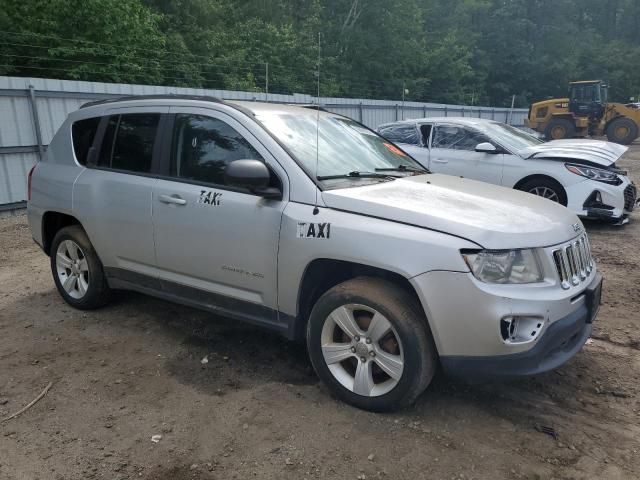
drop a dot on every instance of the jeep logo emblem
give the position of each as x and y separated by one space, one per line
576 227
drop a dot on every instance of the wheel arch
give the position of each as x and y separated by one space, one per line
52 222
541 176
321 274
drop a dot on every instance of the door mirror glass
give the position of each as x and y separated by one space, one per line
252 175
486 147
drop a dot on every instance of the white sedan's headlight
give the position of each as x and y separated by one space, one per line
597 174
504 266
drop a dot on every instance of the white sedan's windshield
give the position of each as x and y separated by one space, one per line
345 145
510 137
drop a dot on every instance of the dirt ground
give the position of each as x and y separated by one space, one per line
132 370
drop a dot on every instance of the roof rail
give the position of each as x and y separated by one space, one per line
168 96
310 106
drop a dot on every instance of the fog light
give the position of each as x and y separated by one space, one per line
598 197
519 329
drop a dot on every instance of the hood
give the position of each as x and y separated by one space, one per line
595 153
493 217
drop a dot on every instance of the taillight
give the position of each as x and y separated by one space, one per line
29 181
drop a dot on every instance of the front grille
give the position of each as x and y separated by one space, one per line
630 197
573 261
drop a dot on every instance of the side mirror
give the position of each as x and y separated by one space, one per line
252 175
486 147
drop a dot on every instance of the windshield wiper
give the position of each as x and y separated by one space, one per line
356 174
403 168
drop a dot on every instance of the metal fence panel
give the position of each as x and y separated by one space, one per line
16 127
13 174
23 100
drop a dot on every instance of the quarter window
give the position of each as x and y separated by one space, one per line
82 133
454 137
204 146
401 134
128 142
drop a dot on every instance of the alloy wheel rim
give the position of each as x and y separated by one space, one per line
545 192
72 269
362 350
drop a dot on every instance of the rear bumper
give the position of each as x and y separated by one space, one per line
562 340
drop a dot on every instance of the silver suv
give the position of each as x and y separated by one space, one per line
312 225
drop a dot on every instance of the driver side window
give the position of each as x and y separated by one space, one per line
454 137
204 146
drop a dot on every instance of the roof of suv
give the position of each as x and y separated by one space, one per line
248 107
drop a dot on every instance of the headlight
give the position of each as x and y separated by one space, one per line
596 174
504 266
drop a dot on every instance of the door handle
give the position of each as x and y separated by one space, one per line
440 160
172 199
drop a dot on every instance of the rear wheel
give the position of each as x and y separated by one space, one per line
622 130
546 188
370 344
77 270
559 128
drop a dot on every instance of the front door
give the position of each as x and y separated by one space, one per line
453 152
216 244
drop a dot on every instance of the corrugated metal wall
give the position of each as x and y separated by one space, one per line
32 109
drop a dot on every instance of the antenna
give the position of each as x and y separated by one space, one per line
316 210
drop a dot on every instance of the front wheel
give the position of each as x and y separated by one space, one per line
622 130
545 188
369 342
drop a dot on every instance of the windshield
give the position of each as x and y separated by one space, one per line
346 147
511 137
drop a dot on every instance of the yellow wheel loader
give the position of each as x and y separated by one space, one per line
585 112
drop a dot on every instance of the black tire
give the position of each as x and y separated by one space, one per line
541 183
406 317
622 130
97 293
559 128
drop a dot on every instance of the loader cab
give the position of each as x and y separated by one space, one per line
587 99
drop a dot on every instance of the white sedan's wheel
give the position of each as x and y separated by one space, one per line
545 187
545 192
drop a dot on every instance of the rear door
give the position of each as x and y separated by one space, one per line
113 197
453 153
216 244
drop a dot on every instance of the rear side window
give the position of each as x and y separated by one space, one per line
204 146
128 142
455 137
401 134
82 133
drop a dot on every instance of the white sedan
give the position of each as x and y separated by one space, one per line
579 174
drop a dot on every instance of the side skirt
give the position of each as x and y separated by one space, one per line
203 300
